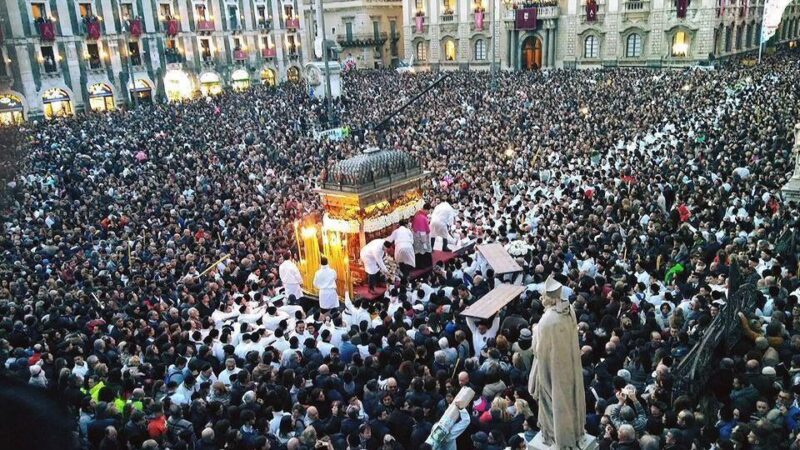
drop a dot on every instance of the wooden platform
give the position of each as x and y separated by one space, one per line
437 256
494 301
499 259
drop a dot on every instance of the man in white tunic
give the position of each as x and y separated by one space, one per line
372 257
291 277
403 240
325 282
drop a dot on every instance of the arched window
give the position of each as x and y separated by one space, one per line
680 44
422 52
480 50
633 46
748 41
418 4
449 50
591 47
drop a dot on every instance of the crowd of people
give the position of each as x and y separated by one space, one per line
636 189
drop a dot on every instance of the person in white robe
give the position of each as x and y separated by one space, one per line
403 240
325 282
291 278
372 257
442 218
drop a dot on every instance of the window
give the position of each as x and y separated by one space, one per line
739 37
265 42
288 10
633 46
38 11
418 4
200 11
422 52
348 31
449 50
680 44
728 38
237 44
49 59
447 7
480 50
205 49
261 12
749 37
292 45
94 56
233 17
171 44
376 29
127 11
165 10
133 54
591 47
85 9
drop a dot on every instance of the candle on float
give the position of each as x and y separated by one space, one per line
311 246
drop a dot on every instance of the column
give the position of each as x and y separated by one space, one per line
546 48
551 51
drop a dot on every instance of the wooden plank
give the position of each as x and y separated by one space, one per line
499 259
494 301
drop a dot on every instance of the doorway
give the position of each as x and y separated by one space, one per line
532 53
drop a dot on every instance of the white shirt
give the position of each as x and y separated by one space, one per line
225 375
325 281
401 236
478 339
372 257
289 273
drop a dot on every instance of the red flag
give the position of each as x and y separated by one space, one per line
93 30
172 27
46 31
136 27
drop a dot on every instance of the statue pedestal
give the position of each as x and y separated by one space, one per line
588 442
315 78
791 190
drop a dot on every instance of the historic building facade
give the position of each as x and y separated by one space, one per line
61 56
367 32
457 34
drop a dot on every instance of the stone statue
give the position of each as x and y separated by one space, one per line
556 378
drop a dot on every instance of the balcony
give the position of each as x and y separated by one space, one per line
95 63
362 40
172 56
636 6
268 53
50 66
265 25
135 60
542 13
480 21
447 17
599 13
205 26
239 55
420 25
293 23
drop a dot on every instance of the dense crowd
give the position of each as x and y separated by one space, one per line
637 189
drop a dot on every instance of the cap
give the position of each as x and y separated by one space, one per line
525 334
480 438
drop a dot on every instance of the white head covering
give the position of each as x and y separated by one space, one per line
552 290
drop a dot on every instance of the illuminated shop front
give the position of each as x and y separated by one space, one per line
141 90
268 77
240 79
12 111
101 97
177 85
210 83
57 103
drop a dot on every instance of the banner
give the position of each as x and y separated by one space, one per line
93 30
525 19
591 10
136 28
773 10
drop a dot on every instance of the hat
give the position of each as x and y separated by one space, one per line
450 328
624 374
768 371
480 438
525 334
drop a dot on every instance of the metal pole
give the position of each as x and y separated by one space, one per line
760 46
494 45
328 98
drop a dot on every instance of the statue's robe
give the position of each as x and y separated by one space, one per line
556 379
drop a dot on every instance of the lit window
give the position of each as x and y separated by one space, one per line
633 47
591 47
449 50
422 52
680 44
